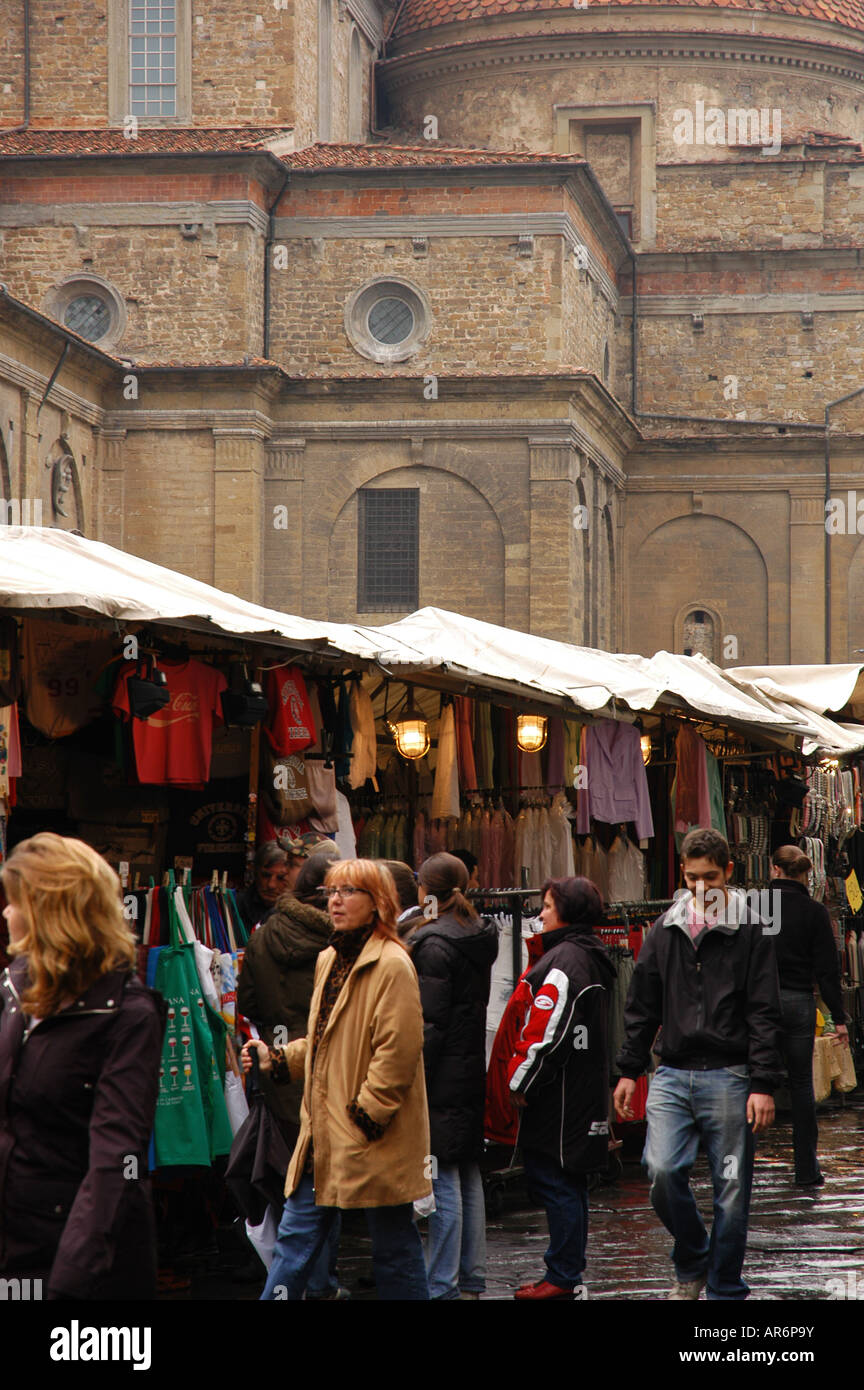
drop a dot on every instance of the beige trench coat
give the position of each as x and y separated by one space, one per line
372 1052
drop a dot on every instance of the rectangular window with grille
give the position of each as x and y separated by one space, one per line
388 549
153 57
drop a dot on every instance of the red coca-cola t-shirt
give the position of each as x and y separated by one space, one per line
173 746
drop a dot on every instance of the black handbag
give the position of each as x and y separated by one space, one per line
259 1156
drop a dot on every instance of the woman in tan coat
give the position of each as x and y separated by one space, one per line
364 1124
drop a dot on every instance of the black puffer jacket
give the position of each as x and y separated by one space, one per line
275 985
77 1100
454 966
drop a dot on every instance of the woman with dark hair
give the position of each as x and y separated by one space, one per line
410 915
558 1076
806 954
453 952
364 1126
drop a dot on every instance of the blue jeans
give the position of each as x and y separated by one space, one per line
323 1279
397 1251
684 1107
796 1044
565 1197
456 1247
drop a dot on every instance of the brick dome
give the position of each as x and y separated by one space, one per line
416 15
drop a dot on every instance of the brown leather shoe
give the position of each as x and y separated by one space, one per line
543 1290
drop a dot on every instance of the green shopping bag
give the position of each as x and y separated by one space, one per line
191 1125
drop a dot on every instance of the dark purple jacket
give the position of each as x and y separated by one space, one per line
77 1100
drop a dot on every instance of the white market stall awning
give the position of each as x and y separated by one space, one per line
433 642
43 568
820 688
46 569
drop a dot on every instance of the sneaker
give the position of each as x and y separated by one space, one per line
690 1290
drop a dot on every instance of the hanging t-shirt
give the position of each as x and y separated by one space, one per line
291 727
61 668
173 747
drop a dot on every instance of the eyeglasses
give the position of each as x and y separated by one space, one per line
346 890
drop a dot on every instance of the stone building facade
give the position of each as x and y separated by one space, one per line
532 313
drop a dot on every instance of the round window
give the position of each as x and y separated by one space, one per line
90 306
390 320
387 320
89 315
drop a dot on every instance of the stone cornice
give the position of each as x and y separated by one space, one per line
133 214
840 302
530 51
231 422
801 258
543 433
367 16
451 225
17 374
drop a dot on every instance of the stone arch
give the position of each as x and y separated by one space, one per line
732 584
713 648
456 520
478 474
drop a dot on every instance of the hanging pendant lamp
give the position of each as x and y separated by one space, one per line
531 732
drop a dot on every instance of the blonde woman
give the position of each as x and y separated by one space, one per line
364 1125
80 1046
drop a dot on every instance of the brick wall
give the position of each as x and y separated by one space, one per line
511 315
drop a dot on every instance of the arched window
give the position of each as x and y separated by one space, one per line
325 68
606 364
355 89
699 634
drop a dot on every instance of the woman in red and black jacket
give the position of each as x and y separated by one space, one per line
557 1076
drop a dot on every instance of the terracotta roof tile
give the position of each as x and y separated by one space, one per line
417 15
335 156
173 140
32 311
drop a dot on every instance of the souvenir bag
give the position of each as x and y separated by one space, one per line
284 787
191 1125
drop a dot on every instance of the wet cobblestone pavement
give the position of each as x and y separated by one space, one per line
799 1238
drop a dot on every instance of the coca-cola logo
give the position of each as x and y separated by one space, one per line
182 708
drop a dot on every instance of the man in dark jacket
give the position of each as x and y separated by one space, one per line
806 953
707 975
559 1077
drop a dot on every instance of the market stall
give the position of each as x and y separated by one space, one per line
176 727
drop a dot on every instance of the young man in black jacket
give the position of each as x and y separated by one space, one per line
707 976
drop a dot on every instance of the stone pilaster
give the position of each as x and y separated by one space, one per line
282 526
237 475
111 489
553 606
807 579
